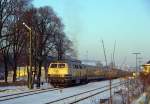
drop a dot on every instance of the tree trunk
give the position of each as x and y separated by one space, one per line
15 69
6 68
46 73
39 75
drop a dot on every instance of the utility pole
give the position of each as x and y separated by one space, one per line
136 54
113 60
104 53
30 82
136 58
87 58
109 71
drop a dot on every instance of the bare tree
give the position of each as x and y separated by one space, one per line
18 34
5 57
63 46
10 10
48 36
18 39
47 28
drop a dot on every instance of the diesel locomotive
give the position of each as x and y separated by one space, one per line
72 72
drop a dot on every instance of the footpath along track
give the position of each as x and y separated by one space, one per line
27 93
84 95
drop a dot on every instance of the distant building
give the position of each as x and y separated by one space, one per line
146 67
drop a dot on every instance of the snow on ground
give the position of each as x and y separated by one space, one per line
54 95
105 95
7 90
12 89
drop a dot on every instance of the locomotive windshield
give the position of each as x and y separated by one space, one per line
53 65
57 65
61 65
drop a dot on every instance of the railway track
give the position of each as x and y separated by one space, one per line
84 98
79 95
34 92
27 93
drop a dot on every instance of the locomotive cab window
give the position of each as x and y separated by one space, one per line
61 65
53 65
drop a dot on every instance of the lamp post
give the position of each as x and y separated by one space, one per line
30 84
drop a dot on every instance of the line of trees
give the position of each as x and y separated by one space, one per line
48 37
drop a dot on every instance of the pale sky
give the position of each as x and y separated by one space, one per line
88 21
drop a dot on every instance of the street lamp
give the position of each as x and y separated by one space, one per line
30 56
26 26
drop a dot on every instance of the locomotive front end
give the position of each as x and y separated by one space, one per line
58 74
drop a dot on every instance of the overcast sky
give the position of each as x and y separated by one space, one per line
88 21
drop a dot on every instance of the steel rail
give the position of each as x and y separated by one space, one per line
23 92
10 97
83 93
84 98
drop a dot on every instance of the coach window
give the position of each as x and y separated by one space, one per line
53 65
76 66
61 65
80 66
73 66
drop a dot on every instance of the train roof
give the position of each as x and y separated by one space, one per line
68 61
